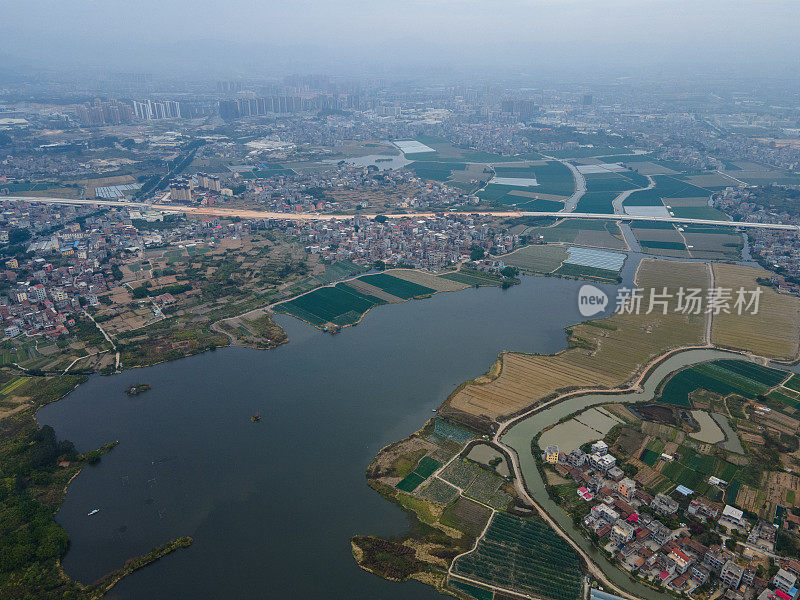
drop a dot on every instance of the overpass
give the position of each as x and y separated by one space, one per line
214 211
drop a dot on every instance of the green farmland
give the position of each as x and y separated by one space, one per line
615 182
523 555
438 171
340 305
723 377
666 187
426 467
553 178
396 286
596 202
573 270
473 277
343 304
693 470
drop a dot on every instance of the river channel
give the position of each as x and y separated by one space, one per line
272 505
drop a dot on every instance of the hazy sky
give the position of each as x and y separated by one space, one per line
270 35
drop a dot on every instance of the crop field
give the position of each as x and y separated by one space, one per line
473 277
693 470
583 232
346 302
774 332
586 272
410 482
649 457
340 305
714 243
523 555
660 238
666 187
606 357
397 287
539 205
439 492
472 591
615 182
723 377
444 151
662 245
438 171
461 473
421 472
466 515
427 280
793 383
338 270
524 171
699 212
537 258
596 202
12 385
523 198
485 488
554 178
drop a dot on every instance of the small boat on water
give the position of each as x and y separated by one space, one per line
93 512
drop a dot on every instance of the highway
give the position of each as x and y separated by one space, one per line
213 211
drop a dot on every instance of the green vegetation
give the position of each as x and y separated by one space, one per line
388 559
662 245
666 187
722 377
426 467
339 270
615 182
396 286
603 234
596 202
538 258
340 305
472 591
572 270
793 383
438 171
473 277
525 555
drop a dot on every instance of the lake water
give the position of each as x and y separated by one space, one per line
272 505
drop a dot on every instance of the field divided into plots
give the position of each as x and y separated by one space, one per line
693 469
424 469
773 332
602 355
346 302
724 377
473 277
554 183
666 187
523 555
340 305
